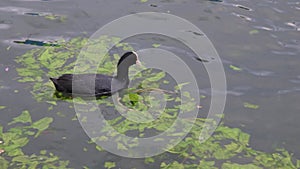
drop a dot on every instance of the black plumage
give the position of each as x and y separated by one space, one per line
97 84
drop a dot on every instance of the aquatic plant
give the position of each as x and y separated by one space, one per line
17 135
227 148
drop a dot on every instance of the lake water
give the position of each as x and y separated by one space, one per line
258 42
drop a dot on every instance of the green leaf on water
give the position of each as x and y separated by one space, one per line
109 165
226 144
254 31
2 107
202 96
54 17
26 79
239 166
179 86
43 152
156 45
156 77
52 102
1 131
99 148
14 139
207 165
166 82
7 137
21 159
235 68
149 160
250 105
121 146
42 124
133 97
175 164
3 163
23 118
20 141
244 138
143 1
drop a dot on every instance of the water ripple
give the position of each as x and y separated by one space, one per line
17 10
4 26
285 91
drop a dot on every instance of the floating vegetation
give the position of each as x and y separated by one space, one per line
53 17
235 68
38 65
49 16
226 148
222 148
250 105
254 31
13 139
155 45
109 165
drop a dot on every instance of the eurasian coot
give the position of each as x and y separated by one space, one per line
97 84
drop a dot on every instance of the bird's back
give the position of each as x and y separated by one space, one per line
88 84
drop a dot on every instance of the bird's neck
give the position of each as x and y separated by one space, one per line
122 73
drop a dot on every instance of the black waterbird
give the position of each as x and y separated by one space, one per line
97 84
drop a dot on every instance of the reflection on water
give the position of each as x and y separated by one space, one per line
260 38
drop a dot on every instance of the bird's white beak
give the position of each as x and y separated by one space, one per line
138 62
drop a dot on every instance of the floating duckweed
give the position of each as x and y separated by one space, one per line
250 105
109 165
156 45
60 18
23 118
15 138
220 150
235 68
38 65
254 31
